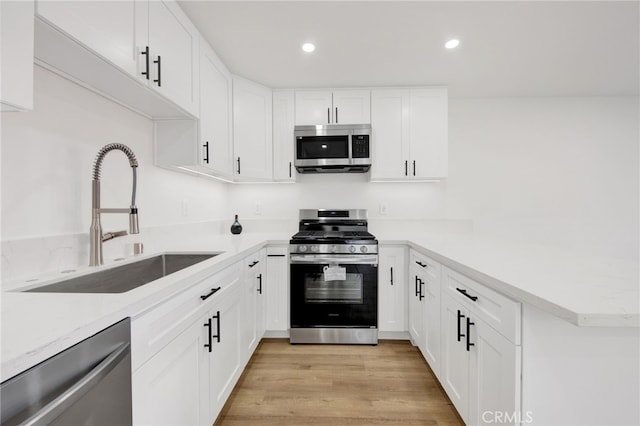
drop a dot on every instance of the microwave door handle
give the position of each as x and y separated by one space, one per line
328 115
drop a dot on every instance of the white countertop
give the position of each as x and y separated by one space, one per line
585 291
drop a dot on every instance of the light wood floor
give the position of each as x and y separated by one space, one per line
388 384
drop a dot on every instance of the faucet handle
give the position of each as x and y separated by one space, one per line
111 235
133 221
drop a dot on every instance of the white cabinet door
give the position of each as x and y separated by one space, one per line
313 107
390 133
276 289
392 283
116 31
431 279
253 303
283 141
171 388
260 275
16 38
226 359
215 112
494 385
454 369
417 325
252 130
174 54
351 107
428 133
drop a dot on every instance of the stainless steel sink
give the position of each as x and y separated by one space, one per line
126 277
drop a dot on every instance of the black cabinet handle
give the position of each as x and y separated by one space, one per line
424 265
206 152
238 165
159 80
336 115
460 316
469 324
254 263
328 115
217 335
260 283
289 168
145 52
276 255
392 275
463 291
416 286
213 291
421 293
208 325
406 168
414 167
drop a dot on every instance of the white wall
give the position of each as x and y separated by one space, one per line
561 171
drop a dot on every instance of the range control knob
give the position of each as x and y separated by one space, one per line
334 249
352 249
302 248
364 249
314 248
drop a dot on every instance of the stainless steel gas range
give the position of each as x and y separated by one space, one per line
334 279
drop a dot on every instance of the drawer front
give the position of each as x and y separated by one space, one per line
425 267
156 328
498 311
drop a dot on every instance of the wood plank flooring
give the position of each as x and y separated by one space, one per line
388 384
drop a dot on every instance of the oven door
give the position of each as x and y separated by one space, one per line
334 291
322 150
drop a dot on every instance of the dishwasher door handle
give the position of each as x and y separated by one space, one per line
52 410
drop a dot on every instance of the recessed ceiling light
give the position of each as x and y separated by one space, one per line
308 47
452 44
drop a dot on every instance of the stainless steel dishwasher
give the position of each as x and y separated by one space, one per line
87 384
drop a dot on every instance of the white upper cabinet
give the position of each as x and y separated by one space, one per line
215 112
410 136
153 42
283 142
173 54
252 130
333 107
16 38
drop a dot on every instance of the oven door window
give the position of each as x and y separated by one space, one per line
320 147
317 290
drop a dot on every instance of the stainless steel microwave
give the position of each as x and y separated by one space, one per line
332 148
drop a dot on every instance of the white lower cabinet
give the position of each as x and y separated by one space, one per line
480 368
253 302
392 289
276 291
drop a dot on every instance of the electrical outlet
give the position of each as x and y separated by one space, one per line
258 210
184 207
383 209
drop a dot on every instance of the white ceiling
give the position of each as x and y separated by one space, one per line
531 48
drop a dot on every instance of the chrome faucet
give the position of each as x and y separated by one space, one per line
96 237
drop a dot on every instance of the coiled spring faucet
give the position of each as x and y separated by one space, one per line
95 231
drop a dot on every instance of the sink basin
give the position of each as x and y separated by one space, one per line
126 277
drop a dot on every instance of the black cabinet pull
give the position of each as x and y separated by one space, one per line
416 286
463 291
421 293
406 168
276 255
145 52
260 283
414 167
469 324
392 275
289 168
217 335
238 165
213 291
328 115
460 316
421 264
159 80
209 337
336 115
206 152
254 263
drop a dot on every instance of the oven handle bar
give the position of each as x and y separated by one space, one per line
297 259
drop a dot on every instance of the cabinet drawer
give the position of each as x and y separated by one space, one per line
424 267
498 311
156 328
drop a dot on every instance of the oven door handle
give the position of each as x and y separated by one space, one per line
311 259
